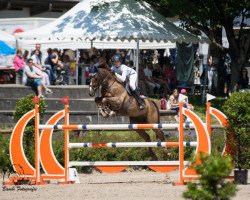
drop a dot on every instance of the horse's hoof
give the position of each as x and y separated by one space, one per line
112 114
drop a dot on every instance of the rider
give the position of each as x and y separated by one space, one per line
122 72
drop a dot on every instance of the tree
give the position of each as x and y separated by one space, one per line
209 17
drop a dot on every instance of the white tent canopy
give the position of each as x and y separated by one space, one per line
93 20
111 21
104 44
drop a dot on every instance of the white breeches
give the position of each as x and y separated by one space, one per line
132 81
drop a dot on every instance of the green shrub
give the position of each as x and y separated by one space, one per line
5 163
23 106
237 109
213 170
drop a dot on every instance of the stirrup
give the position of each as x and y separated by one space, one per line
141 107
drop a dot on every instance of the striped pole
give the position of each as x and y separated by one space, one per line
125 163
119 126
130 144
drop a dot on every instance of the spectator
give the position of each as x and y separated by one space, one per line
40 70
185 101
39 54
173 103
158 78
65 70
52 61
90 71
169 74
19 65
34 80
244 79
145 89
212 74
150 81
84 57
227 78
25 55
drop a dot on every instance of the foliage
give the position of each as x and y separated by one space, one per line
237 109
209 17
212 170
23 106
5 163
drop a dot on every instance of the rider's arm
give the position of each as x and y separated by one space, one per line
124 74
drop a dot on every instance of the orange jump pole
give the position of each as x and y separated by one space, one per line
181 146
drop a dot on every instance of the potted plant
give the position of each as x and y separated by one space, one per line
237 109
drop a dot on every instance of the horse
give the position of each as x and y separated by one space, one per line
115 100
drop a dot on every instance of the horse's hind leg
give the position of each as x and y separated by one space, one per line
159 134
146 137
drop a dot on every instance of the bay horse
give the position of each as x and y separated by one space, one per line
115 100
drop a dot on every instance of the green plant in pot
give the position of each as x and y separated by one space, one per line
237 109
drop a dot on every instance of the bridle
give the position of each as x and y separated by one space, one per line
103 82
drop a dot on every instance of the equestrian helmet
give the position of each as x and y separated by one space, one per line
117 57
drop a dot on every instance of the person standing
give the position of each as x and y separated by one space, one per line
52 61
39 54
124 72
212 75
244 79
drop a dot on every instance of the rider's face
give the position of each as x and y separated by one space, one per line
117 63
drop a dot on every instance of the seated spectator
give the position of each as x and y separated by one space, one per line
158 78
169 74
19 65
150 81
242 84
173 101
145 88
185 101
40 70
34 80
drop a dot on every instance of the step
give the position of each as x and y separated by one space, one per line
59 91
53 104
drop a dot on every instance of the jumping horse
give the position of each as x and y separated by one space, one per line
116 100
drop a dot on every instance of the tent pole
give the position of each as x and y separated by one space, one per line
77 65
137 59
91 44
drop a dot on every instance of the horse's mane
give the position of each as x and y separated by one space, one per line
105 67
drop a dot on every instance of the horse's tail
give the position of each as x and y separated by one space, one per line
157 109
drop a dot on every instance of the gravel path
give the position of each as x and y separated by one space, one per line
136 185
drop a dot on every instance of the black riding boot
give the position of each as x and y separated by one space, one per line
136 95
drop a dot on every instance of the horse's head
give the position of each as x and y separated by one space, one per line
100 78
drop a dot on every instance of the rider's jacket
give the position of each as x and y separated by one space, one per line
123 71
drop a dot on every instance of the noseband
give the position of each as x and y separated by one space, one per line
103 82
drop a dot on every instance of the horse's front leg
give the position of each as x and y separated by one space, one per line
105 112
